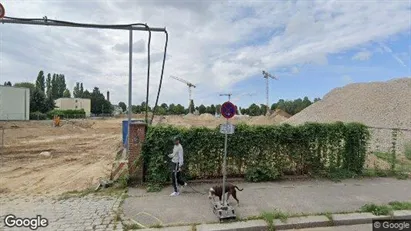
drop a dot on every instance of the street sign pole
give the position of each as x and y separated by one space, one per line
224 163
222 208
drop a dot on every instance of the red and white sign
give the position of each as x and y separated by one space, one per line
2 11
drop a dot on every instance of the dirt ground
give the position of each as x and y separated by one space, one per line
37 158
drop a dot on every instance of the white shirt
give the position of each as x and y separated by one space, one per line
177 155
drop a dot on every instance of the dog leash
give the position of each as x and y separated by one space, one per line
196 190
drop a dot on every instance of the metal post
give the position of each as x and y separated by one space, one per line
189 99
224 165
129 89
267 95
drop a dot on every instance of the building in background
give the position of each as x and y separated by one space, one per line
74 104
14 103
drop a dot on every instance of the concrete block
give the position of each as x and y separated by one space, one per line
175 228
402 214
355 218
302 222
253 225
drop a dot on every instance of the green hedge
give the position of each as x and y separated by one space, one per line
259 153
67 113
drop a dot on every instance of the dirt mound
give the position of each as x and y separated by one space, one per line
207 116
279 112
376 104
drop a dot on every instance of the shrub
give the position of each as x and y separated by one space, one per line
259 153
67 113
38 116
408 150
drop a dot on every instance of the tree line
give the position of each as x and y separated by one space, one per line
44 91
292 107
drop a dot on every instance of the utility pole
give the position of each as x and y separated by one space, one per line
266 76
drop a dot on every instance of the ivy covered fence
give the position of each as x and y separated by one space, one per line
258 153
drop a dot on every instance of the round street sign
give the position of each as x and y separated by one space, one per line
228 110
2 11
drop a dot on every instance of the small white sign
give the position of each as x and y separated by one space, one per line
227 128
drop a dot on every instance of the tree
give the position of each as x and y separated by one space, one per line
218 108
66 93
48 86
37 101
86 95
40 81
202 109
81 90
171 109
54 87
123 106
254 110
191 106
7 84
99 105
61 85
179 109
263 109
165 106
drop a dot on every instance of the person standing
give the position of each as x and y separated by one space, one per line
177 161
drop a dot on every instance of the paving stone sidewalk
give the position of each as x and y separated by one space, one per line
77 213
314 196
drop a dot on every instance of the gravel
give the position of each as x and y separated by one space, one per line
376 104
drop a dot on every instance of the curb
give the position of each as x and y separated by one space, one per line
292 223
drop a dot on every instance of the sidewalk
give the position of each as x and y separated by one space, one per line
151 209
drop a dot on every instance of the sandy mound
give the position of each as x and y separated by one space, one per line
207 116
279 112
376 104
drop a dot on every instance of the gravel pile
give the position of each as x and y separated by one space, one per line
376 104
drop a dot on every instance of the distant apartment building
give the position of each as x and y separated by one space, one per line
74 104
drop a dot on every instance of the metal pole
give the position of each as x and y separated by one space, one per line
189 99
129 89
44 22
224 164
267 95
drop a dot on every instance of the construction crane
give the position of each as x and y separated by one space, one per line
227 94
190 85
266 76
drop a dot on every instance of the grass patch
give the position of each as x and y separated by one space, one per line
397 205
127 227
377 210
156 226
111 191
269 217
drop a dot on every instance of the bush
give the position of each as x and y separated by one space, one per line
67 113
408 150
38 116
259 153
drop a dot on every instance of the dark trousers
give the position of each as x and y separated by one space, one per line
176 176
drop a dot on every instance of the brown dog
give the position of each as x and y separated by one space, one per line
218 191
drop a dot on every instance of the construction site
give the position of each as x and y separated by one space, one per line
38 158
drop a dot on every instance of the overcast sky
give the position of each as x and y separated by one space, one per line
221 46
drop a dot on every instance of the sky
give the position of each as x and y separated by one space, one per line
311 47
